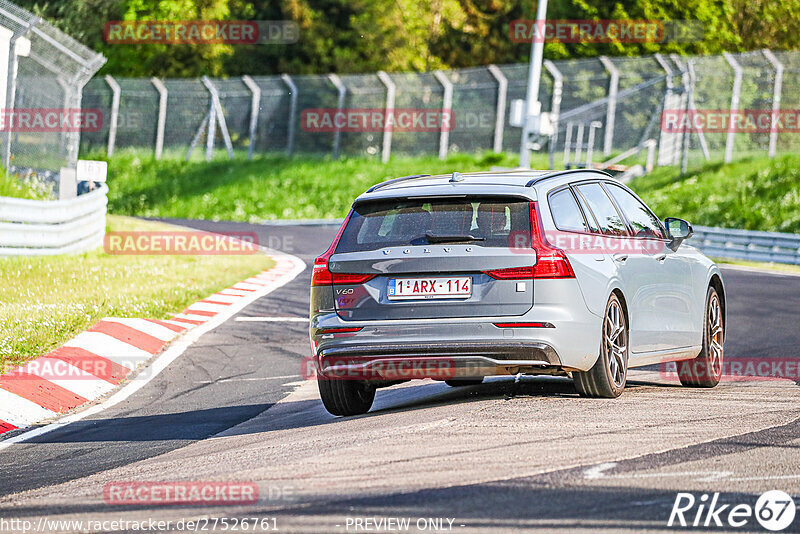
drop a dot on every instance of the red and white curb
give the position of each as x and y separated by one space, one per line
97 361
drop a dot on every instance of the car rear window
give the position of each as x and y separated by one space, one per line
402 222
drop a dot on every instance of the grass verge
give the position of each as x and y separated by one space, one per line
751 194
45 301
268 187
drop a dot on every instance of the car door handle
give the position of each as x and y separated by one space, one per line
661 257
620 257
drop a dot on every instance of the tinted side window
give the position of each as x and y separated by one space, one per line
566 213
607 216
644 223
588 213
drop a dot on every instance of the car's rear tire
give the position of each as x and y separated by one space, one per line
460 382
608 375
705 371
345 397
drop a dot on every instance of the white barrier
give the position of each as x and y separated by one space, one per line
46 227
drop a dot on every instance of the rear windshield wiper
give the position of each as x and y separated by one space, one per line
452 238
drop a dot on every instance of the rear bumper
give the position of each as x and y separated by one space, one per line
436 360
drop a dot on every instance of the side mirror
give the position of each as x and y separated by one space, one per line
677 231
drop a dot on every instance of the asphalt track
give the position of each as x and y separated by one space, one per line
502 456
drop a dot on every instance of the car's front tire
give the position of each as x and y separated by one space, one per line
705 371
345 397
608 375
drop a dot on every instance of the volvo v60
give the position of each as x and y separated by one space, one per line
458 277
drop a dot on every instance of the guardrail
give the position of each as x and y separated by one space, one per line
44 227
747 244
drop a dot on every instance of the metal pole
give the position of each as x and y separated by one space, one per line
391 91
11 84
700 134
555 107
776 101
342 90
611 110
292 113
447 105
223 126
255 106
113 121
212 131
579 144
685 105
500 111
737 87
567 141
532 106
162 114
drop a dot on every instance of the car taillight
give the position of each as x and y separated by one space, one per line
322 276
513 273
340 330
551 262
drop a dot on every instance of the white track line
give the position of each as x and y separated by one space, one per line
158 364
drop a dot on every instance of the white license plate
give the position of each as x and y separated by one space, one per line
429 288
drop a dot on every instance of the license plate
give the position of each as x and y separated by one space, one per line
429 288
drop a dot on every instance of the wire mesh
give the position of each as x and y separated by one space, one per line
52 75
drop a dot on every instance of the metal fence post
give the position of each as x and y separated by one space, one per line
693 107
391 91
737 87
500 114
114 120
611 111
447 104
685 102
220 115
255 106
162 114
337 133
776 101
292 113
14 50
555 107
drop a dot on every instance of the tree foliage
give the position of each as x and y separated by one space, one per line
405 35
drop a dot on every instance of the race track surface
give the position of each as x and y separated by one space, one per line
503 456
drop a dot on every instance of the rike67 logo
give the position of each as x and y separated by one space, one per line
774 510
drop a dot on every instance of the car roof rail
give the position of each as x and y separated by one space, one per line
562 173
394 181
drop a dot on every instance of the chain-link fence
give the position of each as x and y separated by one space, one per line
600 107
47 71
